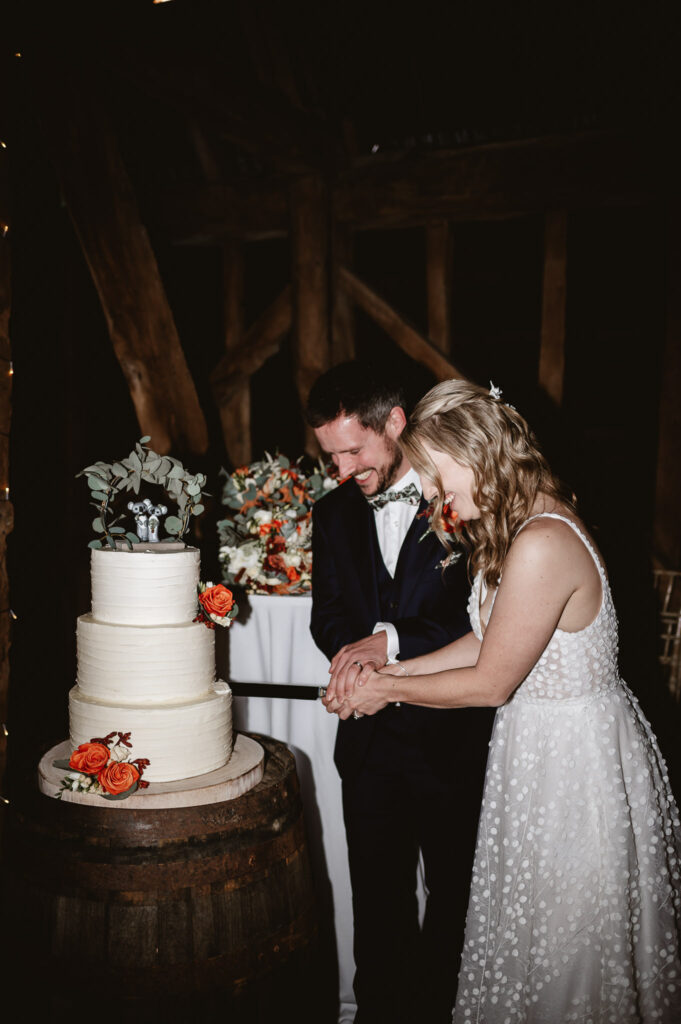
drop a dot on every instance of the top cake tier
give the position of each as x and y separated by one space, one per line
151 585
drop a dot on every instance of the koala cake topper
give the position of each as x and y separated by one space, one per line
108 480
147 519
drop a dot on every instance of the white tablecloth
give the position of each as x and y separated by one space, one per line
273 645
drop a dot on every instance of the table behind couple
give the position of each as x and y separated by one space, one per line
270 643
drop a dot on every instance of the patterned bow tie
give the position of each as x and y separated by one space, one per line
410 494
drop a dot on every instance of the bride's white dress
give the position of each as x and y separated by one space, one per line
575 907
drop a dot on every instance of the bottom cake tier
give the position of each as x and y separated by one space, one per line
179 740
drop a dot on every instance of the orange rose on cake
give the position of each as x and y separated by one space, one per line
89 758
118 777
216 605
217 600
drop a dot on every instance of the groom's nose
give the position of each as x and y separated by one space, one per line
346 466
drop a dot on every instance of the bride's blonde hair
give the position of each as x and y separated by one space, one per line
478 430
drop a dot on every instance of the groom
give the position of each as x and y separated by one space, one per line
412 777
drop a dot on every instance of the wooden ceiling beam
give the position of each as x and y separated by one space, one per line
480 183
501 180
206 213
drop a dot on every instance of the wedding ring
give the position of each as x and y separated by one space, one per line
359 664
356 714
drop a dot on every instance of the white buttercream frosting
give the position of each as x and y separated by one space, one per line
144 587
144 664
180 740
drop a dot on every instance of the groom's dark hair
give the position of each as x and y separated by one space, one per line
355 388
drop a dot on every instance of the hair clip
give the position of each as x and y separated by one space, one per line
495 392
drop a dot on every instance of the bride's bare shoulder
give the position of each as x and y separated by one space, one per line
548 540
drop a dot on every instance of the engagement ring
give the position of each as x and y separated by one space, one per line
359 664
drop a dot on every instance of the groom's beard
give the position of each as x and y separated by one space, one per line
386 474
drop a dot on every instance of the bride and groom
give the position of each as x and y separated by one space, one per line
575 900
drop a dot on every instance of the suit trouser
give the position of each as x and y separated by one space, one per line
397 803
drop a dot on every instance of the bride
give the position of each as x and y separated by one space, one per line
575 906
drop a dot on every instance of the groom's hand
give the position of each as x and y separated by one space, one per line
348 662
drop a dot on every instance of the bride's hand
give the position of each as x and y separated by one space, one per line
396 669
372 697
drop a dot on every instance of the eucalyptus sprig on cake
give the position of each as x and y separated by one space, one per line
109 480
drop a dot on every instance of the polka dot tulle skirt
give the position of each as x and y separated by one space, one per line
575 907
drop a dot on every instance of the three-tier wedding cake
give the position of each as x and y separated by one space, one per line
146 668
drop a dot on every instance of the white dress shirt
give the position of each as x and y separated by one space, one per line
392 524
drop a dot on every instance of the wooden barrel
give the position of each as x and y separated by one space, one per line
196 913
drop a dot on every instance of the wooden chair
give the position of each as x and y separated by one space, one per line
668 587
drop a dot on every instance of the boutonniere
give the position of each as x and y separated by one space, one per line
450 524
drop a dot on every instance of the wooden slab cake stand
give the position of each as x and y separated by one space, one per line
243 771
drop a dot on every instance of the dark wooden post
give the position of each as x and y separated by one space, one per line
342 308
259 342
309 238
666 528
6 507
235 411
439 284
552 353
102 205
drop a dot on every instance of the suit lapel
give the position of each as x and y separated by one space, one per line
362 548
417 557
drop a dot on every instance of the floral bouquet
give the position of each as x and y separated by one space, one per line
266 541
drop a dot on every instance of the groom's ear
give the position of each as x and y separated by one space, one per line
396 422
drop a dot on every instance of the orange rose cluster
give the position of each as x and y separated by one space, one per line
114 776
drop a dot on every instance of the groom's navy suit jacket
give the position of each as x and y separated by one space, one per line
351 592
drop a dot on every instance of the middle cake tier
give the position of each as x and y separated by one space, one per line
144 664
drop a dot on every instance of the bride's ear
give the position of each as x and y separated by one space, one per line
396 422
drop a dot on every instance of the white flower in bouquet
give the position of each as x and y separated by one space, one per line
247 557
293 558
262 515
